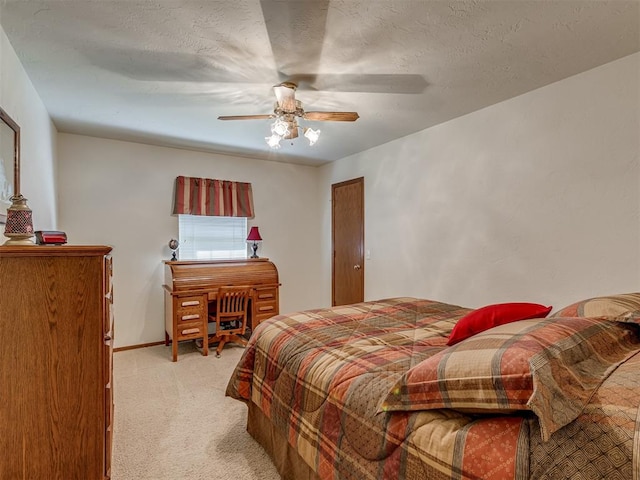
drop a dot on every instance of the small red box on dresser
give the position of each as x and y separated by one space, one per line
50 237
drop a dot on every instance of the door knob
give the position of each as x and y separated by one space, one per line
357 267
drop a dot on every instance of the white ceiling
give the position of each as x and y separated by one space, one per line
162 71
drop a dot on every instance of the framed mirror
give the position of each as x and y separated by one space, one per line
9 162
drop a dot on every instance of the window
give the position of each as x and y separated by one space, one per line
204 237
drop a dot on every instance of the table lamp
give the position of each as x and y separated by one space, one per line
254 236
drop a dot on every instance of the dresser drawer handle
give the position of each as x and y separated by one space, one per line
190 303
265 295
265 309
190 317
187 331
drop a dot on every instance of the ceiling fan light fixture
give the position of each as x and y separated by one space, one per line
286 112
273 141
311 135
280 127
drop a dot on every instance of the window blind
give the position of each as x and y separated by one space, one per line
211 238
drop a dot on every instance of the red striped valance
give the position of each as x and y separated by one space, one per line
205 196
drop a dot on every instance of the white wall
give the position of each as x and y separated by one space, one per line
120 194
38 138
533 199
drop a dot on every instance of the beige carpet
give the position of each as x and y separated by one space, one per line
173 422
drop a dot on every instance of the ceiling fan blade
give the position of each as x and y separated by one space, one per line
244 117
332 116
296 33
371 83
286 95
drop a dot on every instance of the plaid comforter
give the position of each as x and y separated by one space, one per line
320 377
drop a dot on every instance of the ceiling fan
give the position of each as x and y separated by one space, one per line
286 112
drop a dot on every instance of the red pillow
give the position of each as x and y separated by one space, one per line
493 315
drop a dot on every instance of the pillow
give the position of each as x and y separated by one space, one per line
493 315
548 366
623 308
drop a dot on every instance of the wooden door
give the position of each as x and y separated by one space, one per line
347 239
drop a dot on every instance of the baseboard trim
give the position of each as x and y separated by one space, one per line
133 347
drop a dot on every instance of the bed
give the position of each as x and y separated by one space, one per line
380 390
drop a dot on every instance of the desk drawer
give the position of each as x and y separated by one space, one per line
266 294
267 308
189 315
191 302
190 330
258 319
266 304
191 309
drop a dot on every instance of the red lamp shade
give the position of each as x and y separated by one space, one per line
254 235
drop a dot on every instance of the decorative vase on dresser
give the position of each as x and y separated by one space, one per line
56 402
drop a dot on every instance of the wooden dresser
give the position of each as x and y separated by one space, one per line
191 286
56 407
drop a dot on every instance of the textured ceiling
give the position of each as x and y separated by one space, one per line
162 71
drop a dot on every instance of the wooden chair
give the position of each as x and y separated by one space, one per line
230 316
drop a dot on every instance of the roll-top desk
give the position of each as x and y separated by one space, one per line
190 288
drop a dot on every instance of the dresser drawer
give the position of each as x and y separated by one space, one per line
108 293
108 432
